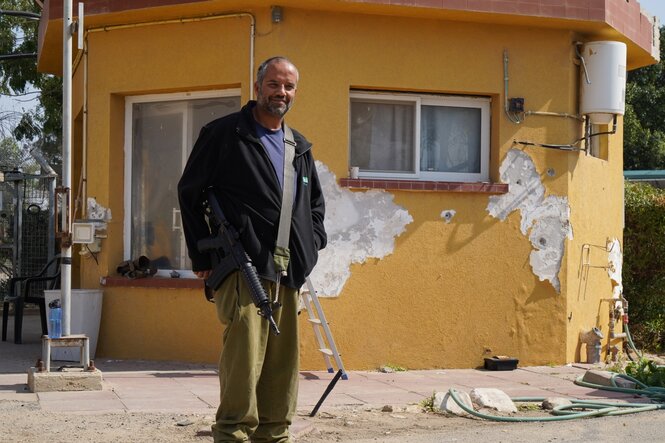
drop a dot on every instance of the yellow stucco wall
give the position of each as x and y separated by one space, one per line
154 324
596 188
450 294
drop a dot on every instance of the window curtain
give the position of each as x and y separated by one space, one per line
382 136
450 139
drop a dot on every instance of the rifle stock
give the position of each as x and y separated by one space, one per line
228 255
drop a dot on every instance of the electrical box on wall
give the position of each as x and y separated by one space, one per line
516 104
83 232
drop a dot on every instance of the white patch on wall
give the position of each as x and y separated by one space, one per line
360 225
614 269
97 212
548 218
448 214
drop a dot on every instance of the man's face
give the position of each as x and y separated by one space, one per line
275 95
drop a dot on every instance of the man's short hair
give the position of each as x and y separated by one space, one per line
261 73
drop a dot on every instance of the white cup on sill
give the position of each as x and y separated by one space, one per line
353 172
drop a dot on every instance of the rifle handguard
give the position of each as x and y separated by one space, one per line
259 296
228 255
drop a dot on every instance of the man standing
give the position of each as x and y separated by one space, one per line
241 156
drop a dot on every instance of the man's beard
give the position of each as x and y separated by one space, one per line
278 109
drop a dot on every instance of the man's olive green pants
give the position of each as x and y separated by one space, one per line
258 371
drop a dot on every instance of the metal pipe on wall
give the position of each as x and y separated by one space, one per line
66 246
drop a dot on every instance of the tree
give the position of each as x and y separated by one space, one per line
644 121
644 263
43 125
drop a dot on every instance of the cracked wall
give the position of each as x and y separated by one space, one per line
546 220
360 226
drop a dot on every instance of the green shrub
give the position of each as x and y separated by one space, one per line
644 264
648 372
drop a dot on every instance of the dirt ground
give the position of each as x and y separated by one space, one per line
25 422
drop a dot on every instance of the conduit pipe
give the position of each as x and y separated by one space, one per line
554 114
83 55
513 119
81 196
571 146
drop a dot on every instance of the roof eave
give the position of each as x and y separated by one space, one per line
639 31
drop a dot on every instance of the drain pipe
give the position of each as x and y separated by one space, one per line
83 190
592 340
81 195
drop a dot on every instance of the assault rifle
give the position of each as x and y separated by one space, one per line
228 255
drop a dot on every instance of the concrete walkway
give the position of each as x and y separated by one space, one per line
148 386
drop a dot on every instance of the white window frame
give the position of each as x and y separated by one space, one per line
128 151
419 100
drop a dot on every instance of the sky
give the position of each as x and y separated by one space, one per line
655 7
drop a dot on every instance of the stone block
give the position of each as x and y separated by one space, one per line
64 381
553 402
444 402
492 398
604 378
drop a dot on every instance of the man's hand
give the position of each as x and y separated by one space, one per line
202 274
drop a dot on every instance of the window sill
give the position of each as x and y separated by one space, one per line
152 282
417 185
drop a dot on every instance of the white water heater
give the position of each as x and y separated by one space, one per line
603 81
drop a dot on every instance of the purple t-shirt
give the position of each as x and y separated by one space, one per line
273 141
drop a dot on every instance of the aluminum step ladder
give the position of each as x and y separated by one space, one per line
318 320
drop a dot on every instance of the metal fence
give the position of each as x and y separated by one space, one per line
27 229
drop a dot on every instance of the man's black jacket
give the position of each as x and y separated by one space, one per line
229 157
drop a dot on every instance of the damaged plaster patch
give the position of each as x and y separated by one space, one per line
615 259
614 269
548 218
97 212
448 215
360 225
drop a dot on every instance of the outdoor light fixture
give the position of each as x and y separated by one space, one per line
83 232
276 12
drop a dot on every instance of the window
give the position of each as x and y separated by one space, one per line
160 133
420 137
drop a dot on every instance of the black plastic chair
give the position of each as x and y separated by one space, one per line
24 289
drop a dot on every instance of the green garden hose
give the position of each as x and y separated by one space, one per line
582 408
629 337
655 393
